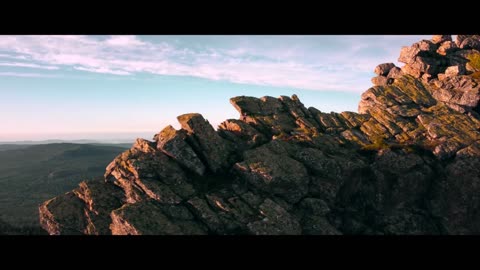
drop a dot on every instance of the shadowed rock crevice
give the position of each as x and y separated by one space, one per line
407 163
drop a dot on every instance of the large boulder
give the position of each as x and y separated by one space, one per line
241 133
471 42
174 143
455 71
439 39
269 169
447 47
381 80
211 148
384 69
151 218
63 214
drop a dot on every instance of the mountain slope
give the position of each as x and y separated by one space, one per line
31 174
407 163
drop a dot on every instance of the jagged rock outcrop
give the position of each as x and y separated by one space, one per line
211 148
172 142
407 163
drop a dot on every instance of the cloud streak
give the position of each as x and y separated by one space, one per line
27 75
293 62
28 65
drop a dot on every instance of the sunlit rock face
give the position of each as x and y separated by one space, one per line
407 163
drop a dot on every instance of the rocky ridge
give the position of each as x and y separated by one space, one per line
407 163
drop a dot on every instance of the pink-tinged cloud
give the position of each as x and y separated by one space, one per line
28 65
103 70
124 41
28 75
290 64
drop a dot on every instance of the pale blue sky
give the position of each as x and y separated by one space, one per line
107 87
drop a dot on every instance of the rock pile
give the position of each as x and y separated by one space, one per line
448 67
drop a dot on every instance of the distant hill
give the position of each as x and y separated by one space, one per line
109 142
123 145
30 174
24 144
4 147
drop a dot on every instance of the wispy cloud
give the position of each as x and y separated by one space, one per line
124 41
18 57
316 63
28 75
28 65
103 70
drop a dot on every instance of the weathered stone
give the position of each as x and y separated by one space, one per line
100 199
454 71
394 73
380 80
408 54
319 164
214 150
63 215
384 69
204 213
456 196
173 143
387 120
329 122
426 45
458 57
447 47
255 106
426 77
313 206
354 120
274 173
472 150
409 221
451 83
471 42
147 218
384 97
412 70
294 106
415 91
401 164
460 39
269 115
373 129
438 39
143 170
404 110
275 221
355 136
241 133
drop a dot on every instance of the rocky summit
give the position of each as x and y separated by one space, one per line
407 163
